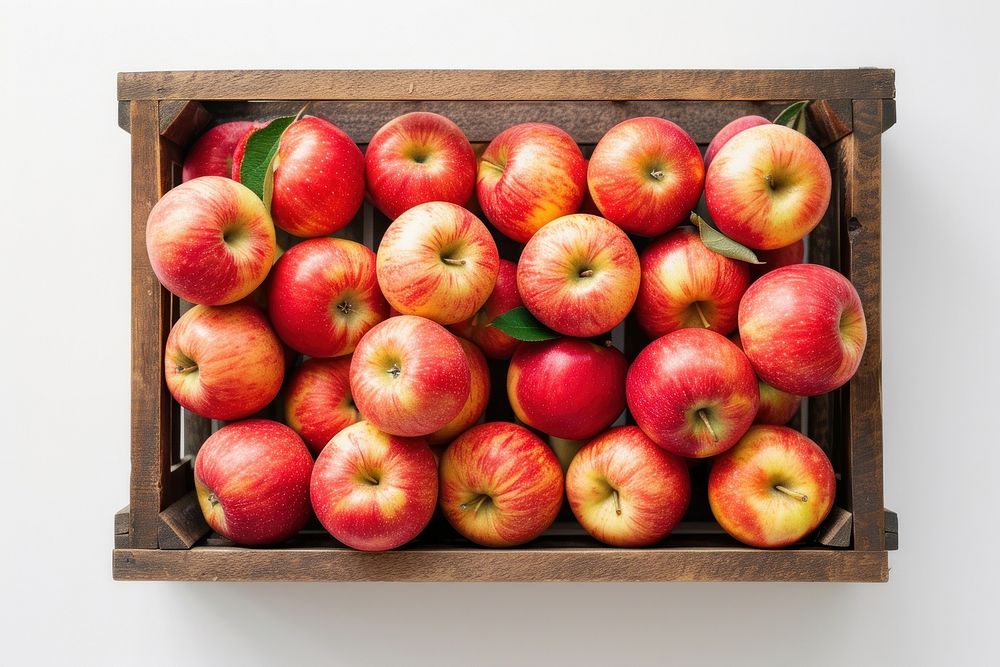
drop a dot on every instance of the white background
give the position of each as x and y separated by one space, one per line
64 207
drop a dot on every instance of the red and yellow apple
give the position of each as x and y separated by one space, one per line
803 329
693 392
567 387
437 260
212 153
374 491
768 187
479 328
684 284
773 488
410 376
579 275
210 241
223 362
529 175
776 407
318 402
323 296
475 405
646 175
252 482
728 131
500 485
625 490
416 158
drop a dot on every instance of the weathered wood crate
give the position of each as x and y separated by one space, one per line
161 534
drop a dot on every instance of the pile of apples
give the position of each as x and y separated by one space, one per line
382 416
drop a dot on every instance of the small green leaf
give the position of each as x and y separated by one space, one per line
718 242
794 116
519 323
256 170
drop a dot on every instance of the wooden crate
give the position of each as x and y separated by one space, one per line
161 534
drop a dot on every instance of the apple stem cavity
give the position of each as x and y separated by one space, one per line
475 503
794 494
586 273
618 502
657 174
395 370
346 307
701 315
708 424
770 182
213 499
453 262
371 480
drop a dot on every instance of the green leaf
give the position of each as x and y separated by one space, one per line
794 116
718 242
519 323
257 168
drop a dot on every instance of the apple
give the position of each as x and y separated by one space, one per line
319 178
693 392
776 406
410 376
479 328
730 130
252 482
374 491
565 449
500 485
318 402
223 362
768 187
803 329
773 488
625 490
323 296
684 284
212 153
475 405
416 158
579 275
646 175
777 258
437 260
567 387
529 175
210 241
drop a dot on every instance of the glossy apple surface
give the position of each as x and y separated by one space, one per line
773 488
437 260
212 153
475 405
579 275
775 407
625 490
479 328
252 482
374 491
210 241
318 401
730 130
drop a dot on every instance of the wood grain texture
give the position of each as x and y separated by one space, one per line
829 121
182 523
121 528
508 85
465 564
860 158
181 120
836 529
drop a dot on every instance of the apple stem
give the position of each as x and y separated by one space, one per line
618 502
794 494
345 307
701 315
587 273
707 423
657 174
453 262
213 499
478 500
187 369
305 108
770 181
394 371
370 479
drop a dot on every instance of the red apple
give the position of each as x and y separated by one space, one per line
410 376
210 241
803 328
500 485
773 488
777 258
323 296
212 153
579 275
567 387
625 490
730 130
374 491
479 328
776 406
223 362
252 481
768 187
693 392
319 178
318 402
684 284
416 158
529 175
475 405
646 175
438 261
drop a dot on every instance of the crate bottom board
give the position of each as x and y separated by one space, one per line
208 563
